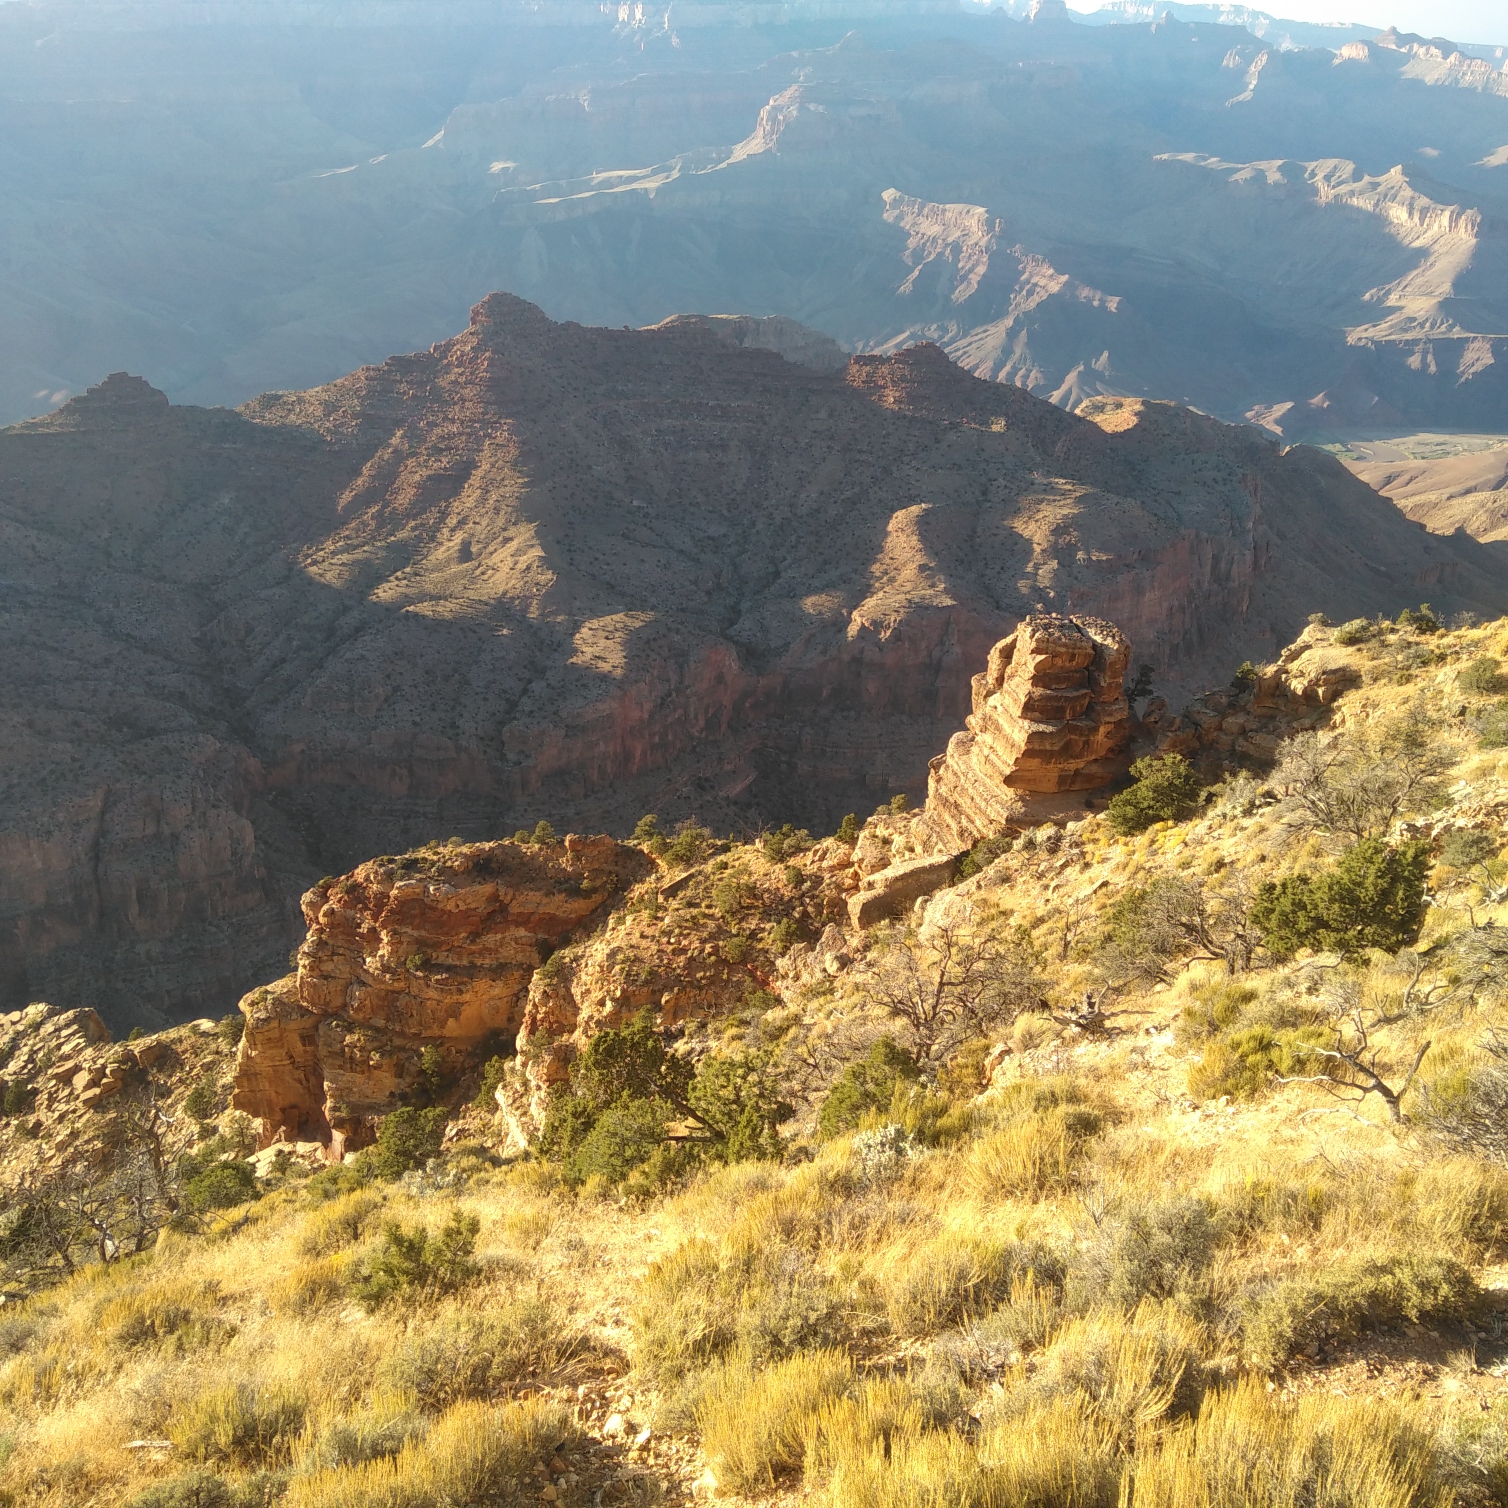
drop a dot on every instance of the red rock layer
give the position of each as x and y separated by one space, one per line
1050 717
434 950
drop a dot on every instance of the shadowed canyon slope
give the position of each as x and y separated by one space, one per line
233 197
548 571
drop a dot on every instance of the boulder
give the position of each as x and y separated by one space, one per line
893 891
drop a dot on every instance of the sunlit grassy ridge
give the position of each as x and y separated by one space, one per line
1180 1252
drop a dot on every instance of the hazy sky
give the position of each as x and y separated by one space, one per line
1461 20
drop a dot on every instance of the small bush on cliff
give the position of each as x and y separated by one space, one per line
647 834
19 1098
865 1086
983 854
785 843
690 844
848 829
1357 631
419 1262
492 1075
1421 619
1373 898
1166 790
406 1140
200 1100
1483 677
1492 729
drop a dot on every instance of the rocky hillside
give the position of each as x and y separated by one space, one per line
546 570
1154 1156
1465 488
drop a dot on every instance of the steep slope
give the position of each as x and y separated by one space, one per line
1466 491
547 570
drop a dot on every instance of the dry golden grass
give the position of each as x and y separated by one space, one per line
1065 1299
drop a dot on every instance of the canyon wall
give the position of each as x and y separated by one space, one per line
550 571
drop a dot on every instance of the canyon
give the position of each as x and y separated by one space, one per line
1301 225
550 571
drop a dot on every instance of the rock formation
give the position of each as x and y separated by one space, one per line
1050 720
1247 723
549 571
434 950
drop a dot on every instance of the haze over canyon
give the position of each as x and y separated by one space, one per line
231 197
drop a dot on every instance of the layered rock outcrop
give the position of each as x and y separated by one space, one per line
434 950
1248 721
1050 721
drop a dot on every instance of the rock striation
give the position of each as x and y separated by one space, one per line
1050 721
436 949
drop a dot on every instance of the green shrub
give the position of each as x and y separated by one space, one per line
983 854
785 843
1373 898
493 1071
231 1028
622 1138
222 1186
1357 631
784 935
1421 619
543 833
738 1096
1245 677
647 833
200 1100
19 1098
848 829
418 1262
432 1068
1482 677
898 804
690 844
406 1139
1350 1297
865 1086
630 1060
1166 790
